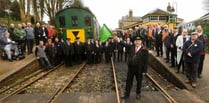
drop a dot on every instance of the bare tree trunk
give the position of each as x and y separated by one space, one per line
28 10
41 9
22 10
35 10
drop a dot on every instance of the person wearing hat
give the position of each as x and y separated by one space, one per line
68 51
137 64
89 51
192 49
78 50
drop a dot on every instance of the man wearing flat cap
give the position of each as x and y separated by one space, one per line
192 49
137 64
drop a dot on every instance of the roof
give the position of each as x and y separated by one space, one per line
158 12
83 8
206 15
133 19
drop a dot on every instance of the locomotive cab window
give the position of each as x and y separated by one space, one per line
62 21
74 20
87 20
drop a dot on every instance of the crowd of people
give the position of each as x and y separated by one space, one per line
181 50
22 37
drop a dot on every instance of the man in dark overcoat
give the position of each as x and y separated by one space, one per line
192 50
137 64
68 51
78 47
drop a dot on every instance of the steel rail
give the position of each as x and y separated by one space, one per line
27 84
21 81
163 91
59 91
116 83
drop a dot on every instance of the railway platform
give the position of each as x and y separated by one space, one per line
8 69
201 91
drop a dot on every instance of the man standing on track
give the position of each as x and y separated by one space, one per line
137 64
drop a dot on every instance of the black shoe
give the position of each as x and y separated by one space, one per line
138 96
10 60
199 76
125 97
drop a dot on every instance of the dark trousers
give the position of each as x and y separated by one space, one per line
45 63
68 60
126 56
97 57
30 43
191 71
168 50
120 56
57 59
173 56
149 43
37 39
133 72
159 49
200 67
21 46
90 58
181 62
114 55
78 58
107 57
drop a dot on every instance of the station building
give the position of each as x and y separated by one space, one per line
154 17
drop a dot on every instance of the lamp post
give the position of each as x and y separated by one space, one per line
8 12
175 10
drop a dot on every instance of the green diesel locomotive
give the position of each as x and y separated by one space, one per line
77 22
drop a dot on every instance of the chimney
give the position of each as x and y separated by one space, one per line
130 14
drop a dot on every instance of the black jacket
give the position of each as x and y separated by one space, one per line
138 60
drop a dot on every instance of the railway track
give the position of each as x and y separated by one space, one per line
150 83
59 91
27 81
56 94
160 88
116 82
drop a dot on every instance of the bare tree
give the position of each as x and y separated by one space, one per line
24 6
22 9
28 10
4 4
42 6
35 10
51 8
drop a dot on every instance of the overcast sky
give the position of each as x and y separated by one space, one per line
110 11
